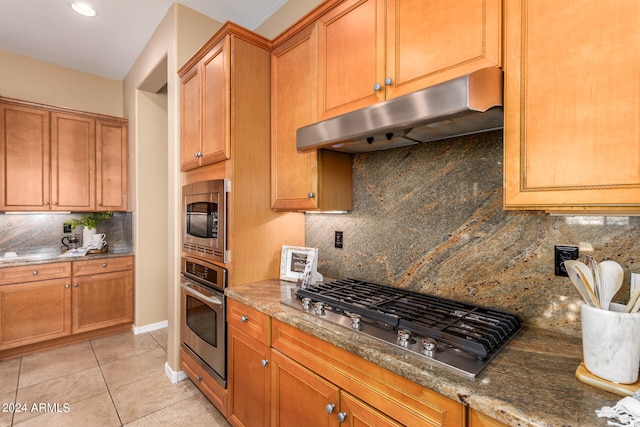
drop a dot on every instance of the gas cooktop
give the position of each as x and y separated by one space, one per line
456 335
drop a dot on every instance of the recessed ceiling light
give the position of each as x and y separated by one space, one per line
83 9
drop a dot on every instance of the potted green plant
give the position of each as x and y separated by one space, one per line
89 221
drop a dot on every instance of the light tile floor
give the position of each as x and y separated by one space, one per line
113 381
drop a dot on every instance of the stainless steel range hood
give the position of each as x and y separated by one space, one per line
465 105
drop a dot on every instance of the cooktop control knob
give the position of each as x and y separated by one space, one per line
306 304
355 321
319 308
429 347
403 337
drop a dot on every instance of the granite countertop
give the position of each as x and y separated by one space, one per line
531 382
49 258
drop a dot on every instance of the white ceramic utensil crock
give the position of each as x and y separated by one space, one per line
611 343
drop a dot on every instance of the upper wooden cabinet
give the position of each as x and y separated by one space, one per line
319 180
572 134
73 151
112 161
55 159
206 107
371 50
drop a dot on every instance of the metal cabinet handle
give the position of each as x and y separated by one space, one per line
330 407
35 272
99 204
244 319
311 195
342 417
198 378
264 362
75 285
197 155
388 81
67 286
104 265
377 87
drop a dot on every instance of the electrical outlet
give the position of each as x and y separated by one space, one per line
66 228
338 240
561 254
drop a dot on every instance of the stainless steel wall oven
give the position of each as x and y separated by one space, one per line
204 212
203 323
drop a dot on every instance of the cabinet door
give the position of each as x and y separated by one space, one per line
249 380
24 158
34 312
432 41
216 92
299 397
351 57
111 166
572 134
477 419
102 300
355 412
190 119
73 154
294 175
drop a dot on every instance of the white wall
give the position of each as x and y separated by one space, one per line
40 82
154 164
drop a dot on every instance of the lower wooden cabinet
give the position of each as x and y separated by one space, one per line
302 398
207 385
248 367
34 312
281 376
102 293
405 402
41 303
477 419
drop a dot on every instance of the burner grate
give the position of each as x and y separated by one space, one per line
478 330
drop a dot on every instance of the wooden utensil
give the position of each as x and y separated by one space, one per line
611 279
633 300
581 283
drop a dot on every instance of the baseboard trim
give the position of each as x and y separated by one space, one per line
174 376
148 328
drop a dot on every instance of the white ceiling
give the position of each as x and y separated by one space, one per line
108 44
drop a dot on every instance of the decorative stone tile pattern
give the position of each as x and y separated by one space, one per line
429 218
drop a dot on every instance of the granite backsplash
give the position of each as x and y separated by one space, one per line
29 233
429 218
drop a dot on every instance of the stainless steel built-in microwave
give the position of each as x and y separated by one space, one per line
204 211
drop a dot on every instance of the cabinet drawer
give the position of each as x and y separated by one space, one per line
207 385
252 322
32 273
105 265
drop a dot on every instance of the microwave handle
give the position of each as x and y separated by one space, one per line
196 294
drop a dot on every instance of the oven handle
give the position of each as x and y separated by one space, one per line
196 294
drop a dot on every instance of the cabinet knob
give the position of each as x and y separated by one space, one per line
104 265
264 362
244 319
197 155
330 407
75 285
342 417
388 81
198 378
35 272
377 87
55 203
311 195
99 204
67 286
